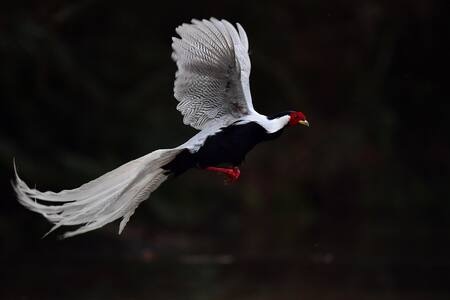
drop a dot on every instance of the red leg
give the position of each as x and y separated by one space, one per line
232 173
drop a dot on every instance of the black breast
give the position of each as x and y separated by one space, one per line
227 147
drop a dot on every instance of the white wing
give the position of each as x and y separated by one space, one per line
212 81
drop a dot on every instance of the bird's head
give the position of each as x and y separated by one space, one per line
297 117
285 119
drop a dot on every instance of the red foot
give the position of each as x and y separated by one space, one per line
232 173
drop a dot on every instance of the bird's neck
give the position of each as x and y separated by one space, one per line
277 124
271 125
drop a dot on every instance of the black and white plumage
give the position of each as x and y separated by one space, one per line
213 90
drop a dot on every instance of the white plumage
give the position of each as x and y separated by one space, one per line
212 87
212 81
112 196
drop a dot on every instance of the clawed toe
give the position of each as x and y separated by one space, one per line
233 175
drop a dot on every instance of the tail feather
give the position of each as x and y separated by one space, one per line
112 196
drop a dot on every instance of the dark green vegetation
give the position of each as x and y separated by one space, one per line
355 207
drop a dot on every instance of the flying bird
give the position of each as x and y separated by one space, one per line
213 90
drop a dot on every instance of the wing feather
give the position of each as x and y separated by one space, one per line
212 81
243 36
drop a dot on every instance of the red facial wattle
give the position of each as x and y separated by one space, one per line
297 117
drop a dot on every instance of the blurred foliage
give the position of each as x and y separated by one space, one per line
354 207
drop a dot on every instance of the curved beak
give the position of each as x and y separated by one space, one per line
304 122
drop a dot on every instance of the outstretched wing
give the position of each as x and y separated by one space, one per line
212 81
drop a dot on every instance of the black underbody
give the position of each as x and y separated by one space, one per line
227 147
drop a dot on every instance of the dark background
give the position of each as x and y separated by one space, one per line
354 207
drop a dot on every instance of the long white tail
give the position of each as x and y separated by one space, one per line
112 196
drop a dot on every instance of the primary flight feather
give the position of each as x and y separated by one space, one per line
213 90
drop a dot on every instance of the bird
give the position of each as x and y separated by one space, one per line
213 92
